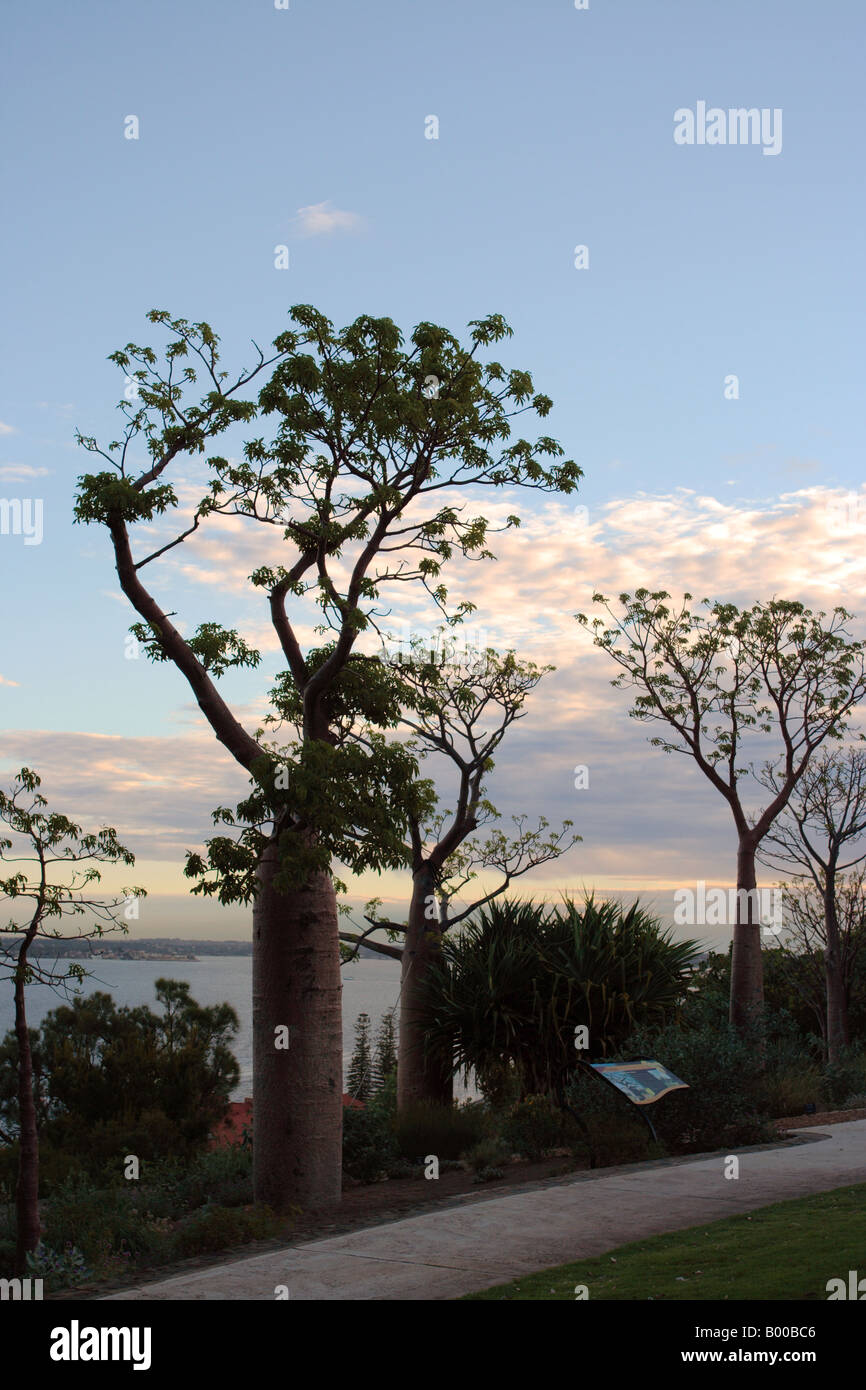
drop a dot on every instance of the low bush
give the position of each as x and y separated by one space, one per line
615 1131
170 1188
218 1228
103 1232
724 1104
444 1130
788 1089
533 1127
369 1146
402 1168
58 1268
488 1175
491 1152
844 1078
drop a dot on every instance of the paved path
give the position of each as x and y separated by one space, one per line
487 1240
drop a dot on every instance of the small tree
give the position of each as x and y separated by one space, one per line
816 837
458 706
58 881
114 1080
360 1082
804 950
385 1058
713 680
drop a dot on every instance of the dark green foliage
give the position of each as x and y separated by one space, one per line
360 799
844 1078
385 1058
857 1001
115 1081
617 1134
447 1131
170 1188
488 1175
517 980
58 1268
795 1073
724 1104
218 1228
104 1223
489 1153
360 1079
786 982
369 1145
533 1127
176 1209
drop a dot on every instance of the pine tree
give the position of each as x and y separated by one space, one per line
385 1062
360 1082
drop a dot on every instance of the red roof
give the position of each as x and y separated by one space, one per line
239 1116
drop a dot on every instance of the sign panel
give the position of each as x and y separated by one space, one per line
642 1082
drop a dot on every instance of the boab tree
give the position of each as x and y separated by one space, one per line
459 705
776 668
55 877
818 838
356 488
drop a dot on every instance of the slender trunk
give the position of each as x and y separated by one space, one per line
297 1089
419 1078
27 1191
837 1012
747 969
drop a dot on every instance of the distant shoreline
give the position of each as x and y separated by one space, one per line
143 948
169 948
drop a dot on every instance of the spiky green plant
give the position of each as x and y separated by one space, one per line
514 985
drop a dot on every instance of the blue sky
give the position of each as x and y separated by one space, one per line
555 129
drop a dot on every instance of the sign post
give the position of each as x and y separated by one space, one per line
643 1083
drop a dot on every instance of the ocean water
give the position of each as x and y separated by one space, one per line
369 986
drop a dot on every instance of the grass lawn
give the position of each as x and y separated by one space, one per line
786 1251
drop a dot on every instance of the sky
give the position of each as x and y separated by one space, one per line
703 352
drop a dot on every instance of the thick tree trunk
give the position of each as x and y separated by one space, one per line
27 1191
297 1089
837 1011
747 967
418 1079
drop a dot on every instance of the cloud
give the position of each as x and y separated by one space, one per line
648 822
7 429
5 681
319 219
158 792
15 472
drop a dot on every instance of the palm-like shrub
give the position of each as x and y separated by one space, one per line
512 987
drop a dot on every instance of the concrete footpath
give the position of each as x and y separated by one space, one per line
484 1240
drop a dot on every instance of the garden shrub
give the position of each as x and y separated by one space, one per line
844 1078
533 1127
491 1152
58 1268
724 1104
617 1134
369 1145
102 1223
789 1088
170 1188
488 1175
218 1228
444 1130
